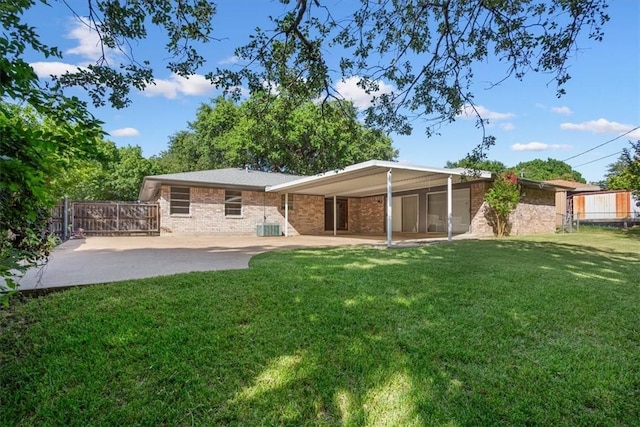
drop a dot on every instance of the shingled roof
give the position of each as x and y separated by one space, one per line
574 186
235 178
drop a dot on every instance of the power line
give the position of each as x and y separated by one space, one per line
597 160
604 143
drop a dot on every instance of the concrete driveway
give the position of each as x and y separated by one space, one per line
111 259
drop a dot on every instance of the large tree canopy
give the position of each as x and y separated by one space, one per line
542 170
270 134
426 51
33 149
624 173
115 174
485 165
537 169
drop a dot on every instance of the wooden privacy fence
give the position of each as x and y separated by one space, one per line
106 218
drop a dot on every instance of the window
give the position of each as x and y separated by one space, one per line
179 200
282 200
232 203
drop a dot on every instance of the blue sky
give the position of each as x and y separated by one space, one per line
602 101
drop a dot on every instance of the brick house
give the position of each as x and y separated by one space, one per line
366 198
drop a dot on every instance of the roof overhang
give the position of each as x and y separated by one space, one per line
151 186
543 185
370 179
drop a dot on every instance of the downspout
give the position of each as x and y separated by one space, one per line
449 209
389 213
286 214
264 207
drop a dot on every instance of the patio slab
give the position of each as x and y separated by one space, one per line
111 259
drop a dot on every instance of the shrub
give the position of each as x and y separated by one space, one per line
502 199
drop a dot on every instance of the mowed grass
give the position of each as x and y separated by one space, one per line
530 331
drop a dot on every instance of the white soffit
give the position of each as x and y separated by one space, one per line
370 178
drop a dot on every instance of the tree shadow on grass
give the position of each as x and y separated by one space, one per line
472 333
398 354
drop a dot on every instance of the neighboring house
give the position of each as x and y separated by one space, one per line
564 197
350 200
609 206
589 203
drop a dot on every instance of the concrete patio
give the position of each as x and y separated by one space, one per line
111 259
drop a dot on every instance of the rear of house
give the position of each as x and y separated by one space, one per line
352 200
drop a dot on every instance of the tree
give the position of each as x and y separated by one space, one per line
33 148
537 169
125 175
502 199
425 50
543 170
85 177
631 158
624 173
115 174
485 165
269 134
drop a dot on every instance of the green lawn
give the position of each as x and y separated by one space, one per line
527 331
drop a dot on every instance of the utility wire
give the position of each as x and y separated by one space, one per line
597 160
604 143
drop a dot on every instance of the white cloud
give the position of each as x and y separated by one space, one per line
468 112
564 110
195 85
229 61
46 69
125 132
507 126
539 146
350 90
89 45
602 126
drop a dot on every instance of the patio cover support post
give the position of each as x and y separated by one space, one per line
449 208
335 215
286 214
389 213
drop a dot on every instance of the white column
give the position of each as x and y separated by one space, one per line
335 215
449 208
389 213
286 214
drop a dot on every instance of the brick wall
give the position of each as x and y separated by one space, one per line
372 215
307 215
206 214
354 206
479 224
534 214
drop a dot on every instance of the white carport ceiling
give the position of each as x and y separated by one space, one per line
370 179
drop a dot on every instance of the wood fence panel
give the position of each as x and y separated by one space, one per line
115 218
56 223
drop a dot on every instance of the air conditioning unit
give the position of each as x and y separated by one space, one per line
265 230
